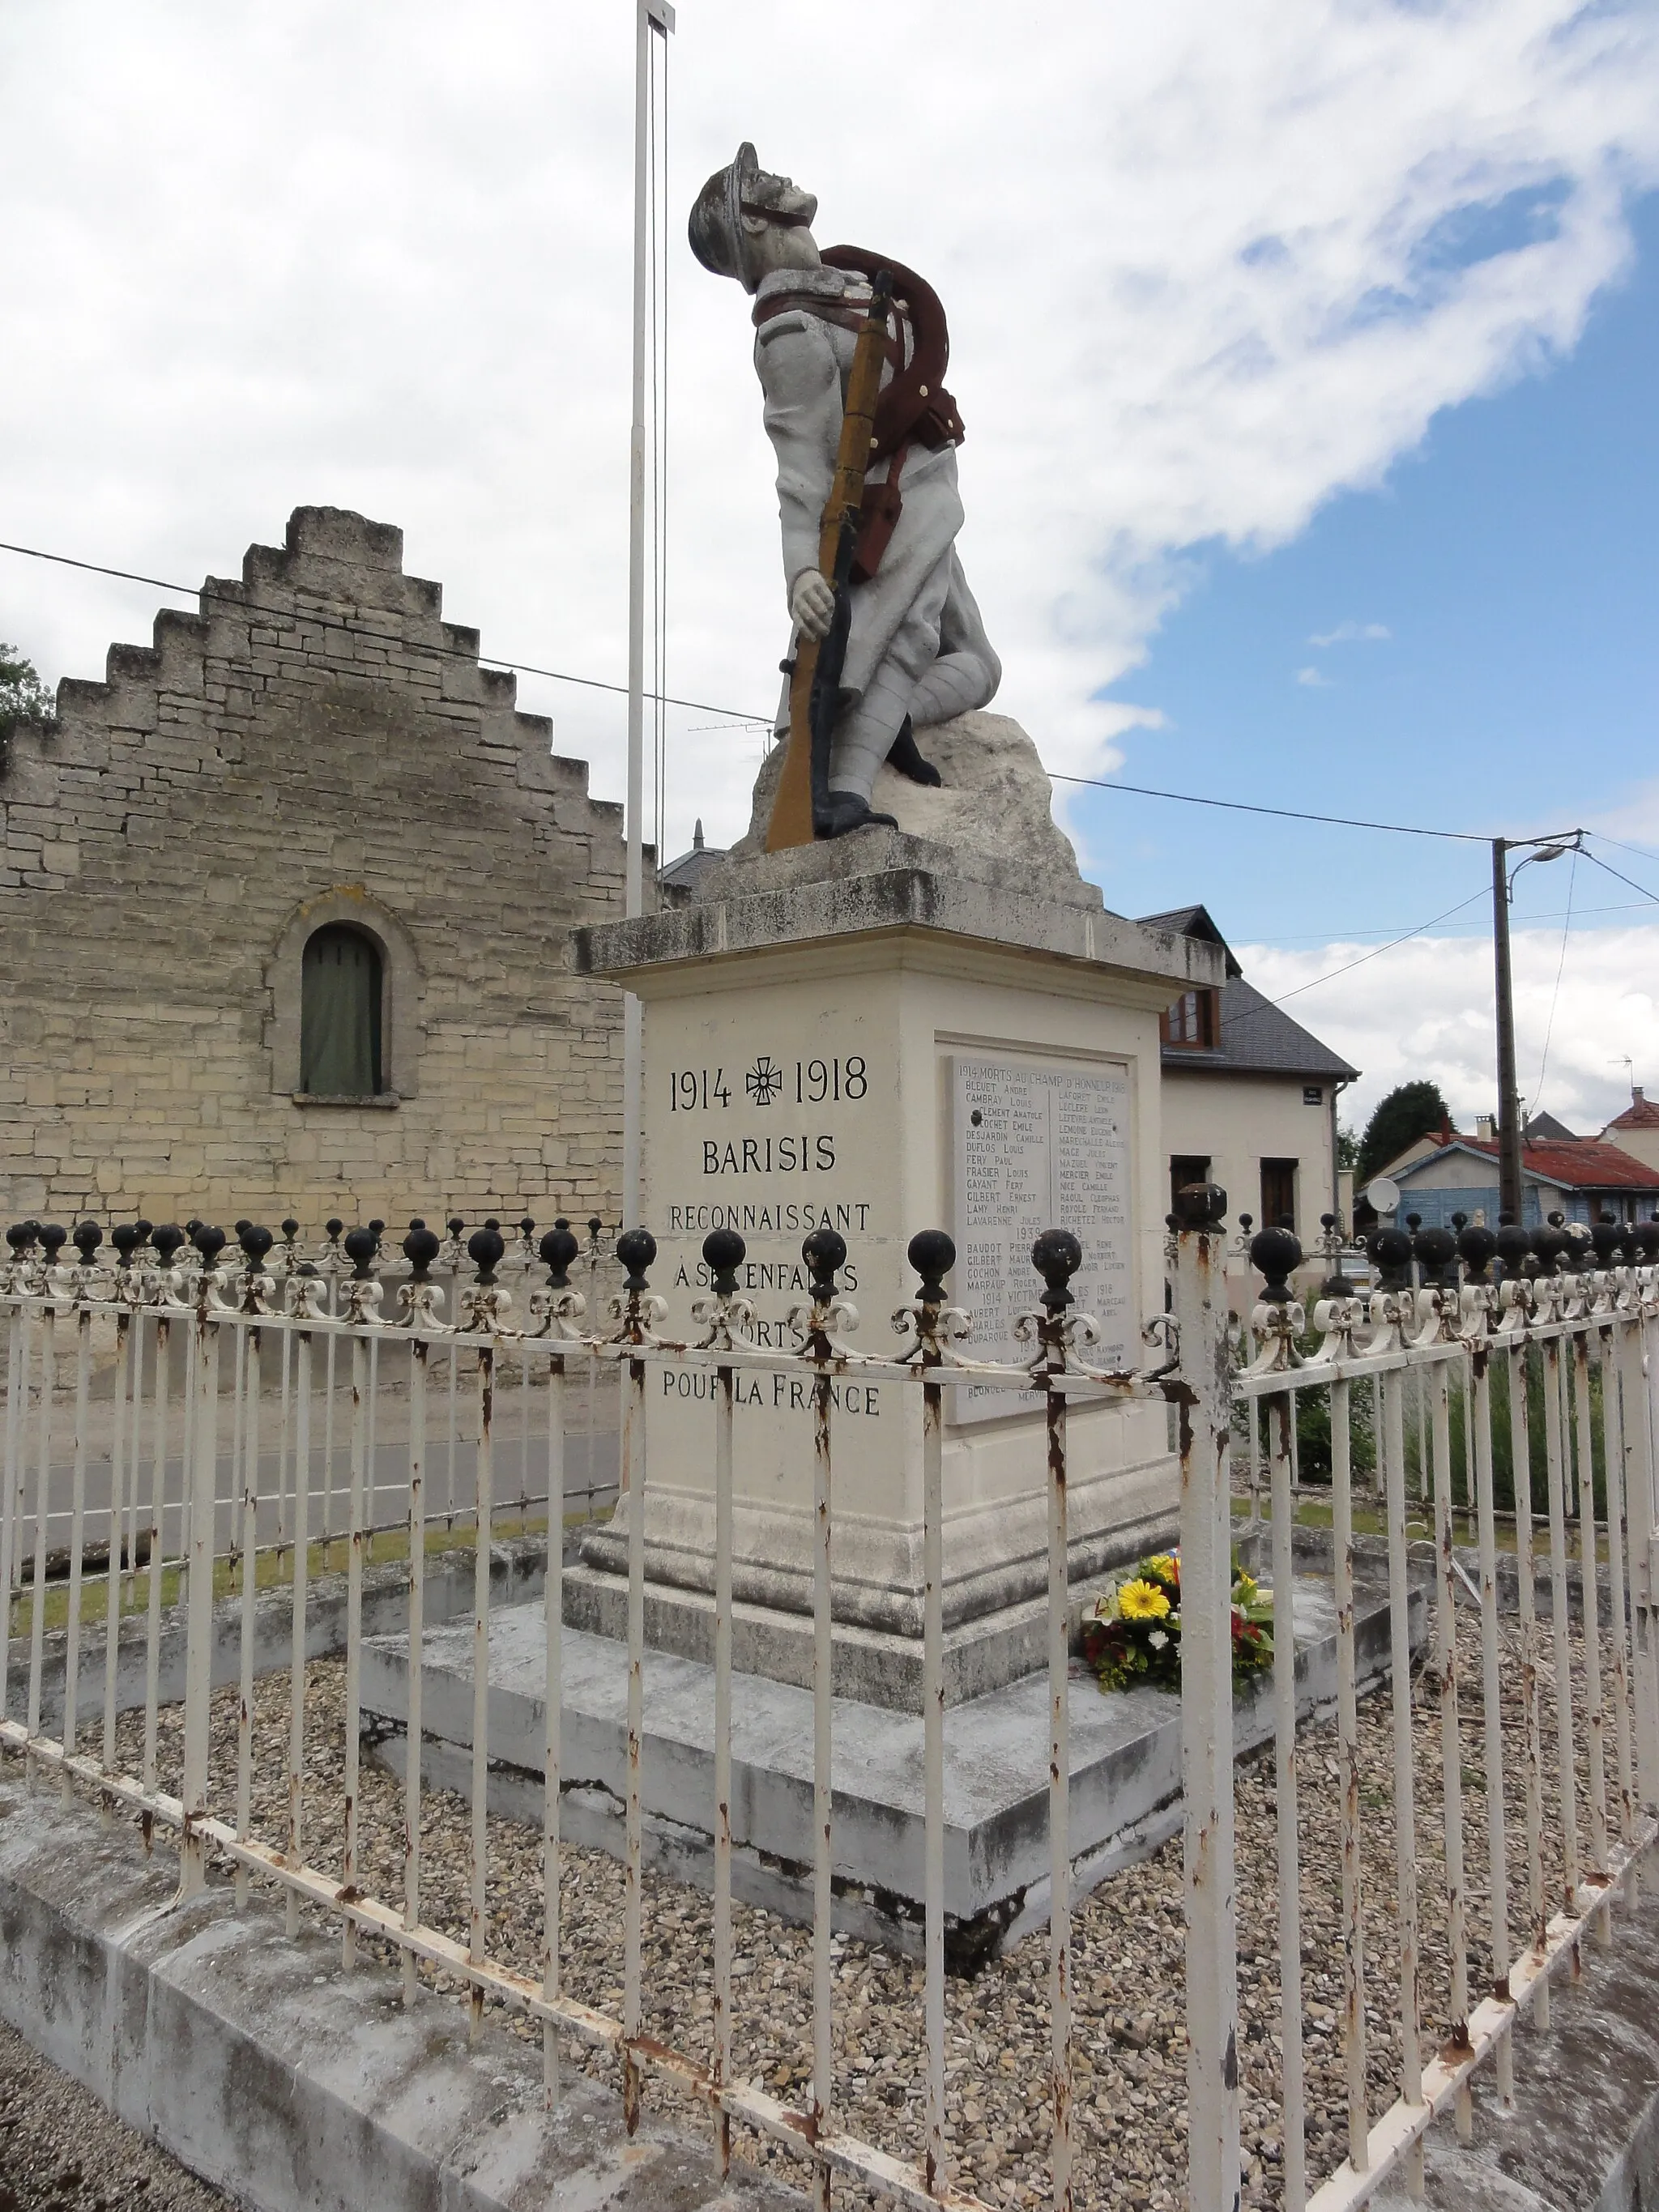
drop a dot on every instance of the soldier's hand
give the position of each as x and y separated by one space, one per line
811 604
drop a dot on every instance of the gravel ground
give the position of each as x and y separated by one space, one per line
1129 2050
62 2151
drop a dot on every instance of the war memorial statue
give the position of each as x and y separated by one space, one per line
851 350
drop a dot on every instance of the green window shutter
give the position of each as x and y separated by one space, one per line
340 1015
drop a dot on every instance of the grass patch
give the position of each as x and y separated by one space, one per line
273 1569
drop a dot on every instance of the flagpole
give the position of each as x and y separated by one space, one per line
633 1035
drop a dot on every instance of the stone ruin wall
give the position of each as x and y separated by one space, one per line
318 745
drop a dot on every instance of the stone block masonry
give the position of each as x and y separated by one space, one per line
316 746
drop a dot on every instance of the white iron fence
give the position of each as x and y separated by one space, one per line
189 1495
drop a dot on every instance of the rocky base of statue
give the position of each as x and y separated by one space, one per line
993 798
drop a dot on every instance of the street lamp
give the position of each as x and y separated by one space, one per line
1508 1096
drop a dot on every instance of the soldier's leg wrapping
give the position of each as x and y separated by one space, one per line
966 673
865 733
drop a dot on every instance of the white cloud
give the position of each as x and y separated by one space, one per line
379 256
1313 680
1353 633
1425 1009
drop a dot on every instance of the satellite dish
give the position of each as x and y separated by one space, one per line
1384 1195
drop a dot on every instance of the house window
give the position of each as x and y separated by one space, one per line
1193 1023
1278 1193
340 993
1185 1168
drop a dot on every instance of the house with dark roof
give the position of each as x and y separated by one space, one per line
1579 1177
680 879
1635 1130
1248 1095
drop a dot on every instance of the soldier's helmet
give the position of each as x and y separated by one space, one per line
715 228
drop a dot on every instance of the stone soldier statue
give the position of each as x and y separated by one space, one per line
916 649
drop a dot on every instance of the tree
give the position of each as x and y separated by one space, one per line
24 701
1347 1147
1411 1110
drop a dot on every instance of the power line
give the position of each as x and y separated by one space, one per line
1555 995
1243 936
1640 851
1281 813
1629 881
1349 964
241 598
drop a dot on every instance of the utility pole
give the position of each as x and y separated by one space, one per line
1508 1096
652 17
1509 1092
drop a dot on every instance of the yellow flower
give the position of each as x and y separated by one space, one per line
1142 1601
1162 1565
1245 1588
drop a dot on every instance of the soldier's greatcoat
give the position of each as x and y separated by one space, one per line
916 644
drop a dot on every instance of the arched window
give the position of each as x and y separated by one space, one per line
340 1015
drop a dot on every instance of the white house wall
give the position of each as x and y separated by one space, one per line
1239 1120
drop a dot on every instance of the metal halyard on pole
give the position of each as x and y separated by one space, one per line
650 16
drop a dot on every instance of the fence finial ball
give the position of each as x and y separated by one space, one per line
85 1240
1646 1235
1278 1253
723 1252
420 1247
1056 1256
1436 1250
209 1241
1476 1246
1391 1249
167 1240
484 1248
1607 1235
255 1242
933 1256
361 1246
636 1249
54 1238
558 1248
1200 1206
1514 1246
824 1252
1550 1245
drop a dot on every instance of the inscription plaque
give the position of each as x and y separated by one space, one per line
1039 1146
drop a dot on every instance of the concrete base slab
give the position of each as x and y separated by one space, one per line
1125 1780
286 2083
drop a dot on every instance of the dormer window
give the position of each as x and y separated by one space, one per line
1193 1023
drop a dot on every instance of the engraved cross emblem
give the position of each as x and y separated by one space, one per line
764 1080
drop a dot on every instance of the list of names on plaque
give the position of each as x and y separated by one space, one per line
1038 1146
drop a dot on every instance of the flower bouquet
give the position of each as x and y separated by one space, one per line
1133 1633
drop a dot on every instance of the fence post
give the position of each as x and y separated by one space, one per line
1206 1701
197 1547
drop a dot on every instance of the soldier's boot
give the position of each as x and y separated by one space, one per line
907 757
838 811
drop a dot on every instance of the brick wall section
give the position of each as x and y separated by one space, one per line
301 737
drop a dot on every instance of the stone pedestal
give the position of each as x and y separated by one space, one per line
882 1035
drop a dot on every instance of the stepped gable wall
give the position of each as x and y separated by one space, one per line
317 744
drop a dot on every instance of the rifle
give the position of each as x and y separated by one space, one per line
815 677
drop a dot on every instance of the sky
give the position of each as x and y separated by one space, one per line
1306 350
